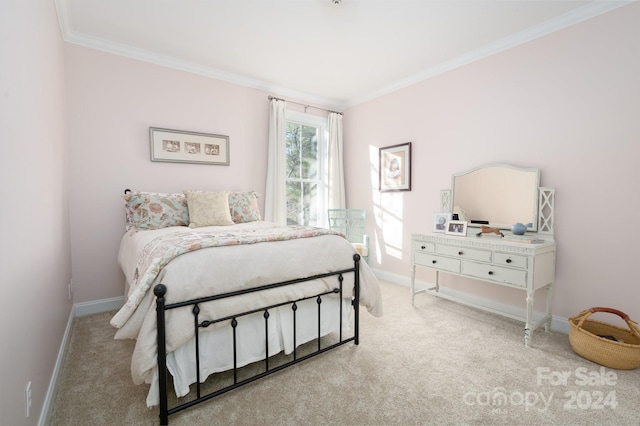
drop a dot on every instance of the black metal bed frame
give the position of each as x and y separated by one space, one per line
160 291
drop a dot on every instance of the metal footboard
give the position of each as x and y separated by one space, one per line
160 291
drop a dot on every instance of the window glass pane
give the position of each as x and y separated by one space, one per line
293 150
310 204
294 202
302 203
302 151
309 152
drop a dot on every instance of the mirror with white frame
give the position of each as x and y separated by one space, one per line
498 196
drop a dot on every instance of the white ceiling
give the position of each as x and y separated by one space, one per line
336 55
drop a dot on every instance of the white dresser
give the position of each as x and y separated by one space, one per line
524 266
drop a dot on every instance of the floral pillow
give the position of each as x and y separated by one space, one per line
150 210
244 207
208 208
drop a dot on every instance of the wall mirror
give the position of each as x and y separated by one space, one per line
499 194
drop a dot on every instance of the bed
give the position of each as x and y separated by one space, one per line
259 289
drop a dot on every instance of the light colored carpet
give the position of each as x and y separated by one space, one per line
436 363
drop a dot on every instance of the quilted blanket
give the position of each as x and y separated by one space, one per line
163 249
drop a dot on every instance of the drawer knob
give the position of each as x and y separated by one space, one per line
434 261
508 260
423 247
490 272
460 253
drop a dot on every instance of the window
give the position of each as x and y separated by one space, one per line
306 152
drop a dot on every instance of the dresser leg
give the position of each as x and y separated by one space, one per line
413 284
547 324
527 326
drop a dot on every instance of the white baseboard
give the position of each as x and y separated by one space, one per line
558 324
78 310
98 306
51 390
391 277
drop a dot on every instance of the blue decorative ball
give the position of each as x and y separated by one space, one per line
518 228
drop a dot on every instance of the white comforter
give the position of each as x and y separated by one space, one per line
222 269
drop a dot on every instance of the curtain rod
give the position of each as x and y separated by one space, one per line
304 105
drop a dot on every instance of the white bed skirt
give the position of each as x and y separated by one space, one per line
216 346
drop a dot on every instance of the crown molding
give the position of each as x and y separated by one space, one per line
556 24
574 17
119 49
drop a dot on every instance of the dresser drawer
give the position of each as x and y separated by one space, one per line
508 259
498 274
423 247
465 253
437 262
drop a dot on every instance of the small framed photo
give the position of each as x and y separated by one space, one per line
395 168
440 221
179 146
456 227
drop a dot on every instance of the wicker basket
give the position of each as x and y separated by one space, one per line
585 339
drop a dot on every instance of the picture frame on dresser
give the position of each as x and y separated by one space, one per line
440 220
179 146
456 227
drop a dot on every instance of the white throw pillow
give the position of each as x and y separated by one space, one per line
208 208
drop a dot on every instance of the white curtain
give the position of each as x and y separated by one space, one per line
335 169
275 201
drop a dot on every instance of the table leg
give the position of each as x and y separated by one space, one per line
547 324
527 326
413 284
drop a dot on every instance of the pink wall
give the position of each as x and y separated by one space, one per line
34 226
112 103
568 103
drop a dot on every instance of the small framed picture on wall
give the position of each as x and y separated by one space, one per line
179 146
395 168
